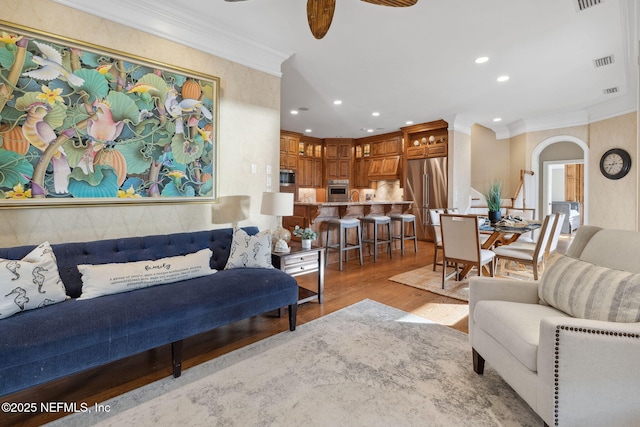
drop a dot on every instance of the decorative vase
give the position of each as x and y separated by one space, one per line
306 243
494 216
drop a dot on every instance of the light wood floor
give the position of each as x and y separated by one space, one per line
342 288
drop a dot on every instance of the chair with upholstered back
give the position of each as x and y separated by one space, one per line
532 255
461 245
434 220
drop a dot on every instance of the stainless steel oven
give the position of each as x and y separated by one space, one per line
338 190
287 177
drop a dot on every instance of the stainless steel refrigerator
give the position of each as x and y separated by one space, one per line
426 186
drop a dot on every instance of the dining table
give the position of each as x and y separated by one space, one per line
502 234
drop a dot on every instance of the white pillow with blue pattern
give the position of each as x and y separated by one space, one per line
31 282
250 251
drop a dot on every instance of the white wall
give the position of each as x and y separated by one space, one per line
249 134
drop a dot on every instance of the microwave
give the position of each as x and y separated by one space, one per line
287 177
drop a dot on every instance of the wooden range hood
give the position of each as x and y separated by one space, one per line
384 168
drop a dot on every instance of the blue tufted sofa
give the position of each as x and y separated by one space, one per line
61 339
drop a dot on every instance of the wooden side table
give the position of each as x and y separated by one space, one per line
302 261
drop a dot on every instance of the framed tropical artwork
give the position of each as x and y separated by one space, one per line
81 124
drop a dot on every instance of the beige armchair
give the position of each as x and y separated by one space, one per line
572 370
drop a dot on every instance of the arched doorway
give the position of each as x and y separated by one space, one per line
537 169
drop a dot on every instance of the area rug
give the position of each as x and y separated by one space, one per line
429 280
365 365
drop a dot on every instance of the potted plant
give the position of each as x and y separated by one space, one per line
306 235
494 201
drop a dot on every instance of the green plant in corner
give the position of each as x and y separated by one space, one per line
494 196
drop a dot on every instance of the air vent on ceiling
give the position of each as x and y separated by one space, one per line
586 4
601 62
610 90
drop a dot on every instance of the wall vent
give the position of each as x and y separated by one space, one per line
610 90
601 62
586 4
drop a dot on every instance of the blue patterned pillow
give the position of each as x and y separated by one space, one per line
250 251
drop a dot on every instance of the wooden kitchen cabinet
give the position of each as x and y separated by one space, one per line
386 147
361 172
426 140
310 163
289 148
338 158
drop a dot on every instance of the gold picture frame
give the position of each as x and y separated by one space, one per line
84 124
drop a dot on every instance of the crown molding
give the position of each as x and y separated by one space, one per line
175 25
459 123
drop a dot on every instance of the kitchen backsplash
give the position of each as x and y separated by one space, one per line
389 191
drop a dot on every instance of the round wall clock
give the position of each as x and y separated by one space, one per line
615 163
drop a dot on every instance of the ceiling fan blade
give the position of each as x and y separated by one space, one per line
393 3
320 15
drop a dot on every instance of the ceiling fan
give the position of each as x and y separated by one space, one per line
320 12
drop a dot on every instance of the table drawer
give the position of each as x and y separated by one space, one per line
303 258
301 267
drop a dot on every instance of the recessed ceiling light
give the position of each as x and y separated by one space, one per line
337 102
497 119
307 130
303 109
294 112
370 130
503 78
408 122
482 59
375 114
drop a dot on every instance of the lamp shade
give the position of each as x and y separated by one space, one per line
230 209
277 204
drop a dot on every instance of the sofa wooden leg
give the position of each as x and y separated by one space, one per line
176 358
293 313
478 362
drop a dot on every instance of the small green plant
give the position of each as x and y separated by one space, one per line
494 196
305 233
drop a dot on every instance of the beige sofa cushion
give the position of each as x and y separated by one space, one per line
515 325
589 291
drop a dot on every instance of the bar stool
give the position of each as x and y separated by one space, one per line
405 219
343 246
376 221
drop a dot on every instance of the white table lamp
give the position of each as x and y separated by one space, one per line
230 209
278 204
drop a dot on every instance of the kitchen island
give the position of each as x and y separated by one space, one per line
315 216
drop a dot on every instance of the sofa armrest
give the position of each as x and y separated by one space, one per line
589 369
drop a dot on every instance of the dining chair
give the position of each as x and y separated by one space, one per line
533 255
434 218
461 245
552 244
